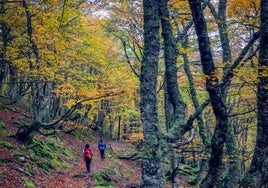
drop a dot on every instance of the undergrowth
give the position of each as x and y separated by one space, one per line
49 153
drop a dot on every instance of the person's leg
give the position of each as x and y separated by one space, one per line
88 161
89 165
102 154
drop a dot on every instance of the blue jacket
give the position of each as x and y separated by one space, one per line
102 145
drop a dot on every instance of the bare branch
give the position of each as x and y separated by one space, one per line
198 111
73 108
229 73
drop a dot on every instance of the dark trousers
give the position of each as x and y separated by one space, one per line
88 162
102 153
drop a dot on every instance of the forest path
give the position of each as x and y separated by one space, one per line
77 177
13 173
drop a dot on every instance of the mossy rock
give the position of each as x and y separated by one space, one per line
49 154
28 183
102 179
6 144
3 130
2 125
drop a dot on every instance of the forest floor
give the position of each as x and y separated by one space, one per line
12 173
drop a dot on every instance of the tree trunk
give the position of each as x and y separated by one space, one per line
111 126
37 87
5 38
170 54
233 175
12 86
119 128
257 175
175 107
212 86
152 168
201 125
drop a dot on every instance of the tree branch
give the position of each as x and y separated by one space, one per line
73 108
229 73
190 139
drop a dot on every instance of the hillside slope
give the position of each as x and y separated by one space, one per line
16 171
20 168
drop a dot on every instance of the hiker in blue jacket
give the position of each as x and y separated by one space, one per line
102 147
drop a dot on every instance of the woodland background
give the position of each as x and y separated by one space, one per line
184 81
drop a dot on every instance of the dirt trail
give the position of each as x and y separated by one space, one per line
11 177
66 179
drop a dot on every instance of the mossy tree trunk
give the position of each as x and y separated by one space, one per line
217 102
232 177
175 107
37 87
155 138
201 125
257 175
152 169
26 133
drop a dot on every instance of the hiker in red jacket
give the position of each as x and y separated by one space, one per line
87 156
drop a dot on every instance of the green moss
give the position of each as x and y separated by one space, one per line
28 182
102 179
6 144
2 124
3 130
49 154
18 154
23 147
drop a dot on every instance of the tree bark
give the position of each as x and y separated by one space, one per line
170 53
212 86
201 125
175 106
257 175
152 167
232 176
5 38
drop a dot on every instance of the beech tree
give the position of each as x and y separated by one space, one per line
152 166
257 175
157 140
217 92
60 55
212 86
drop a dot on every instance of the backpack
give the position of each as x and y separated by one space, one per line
102 145
88 153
